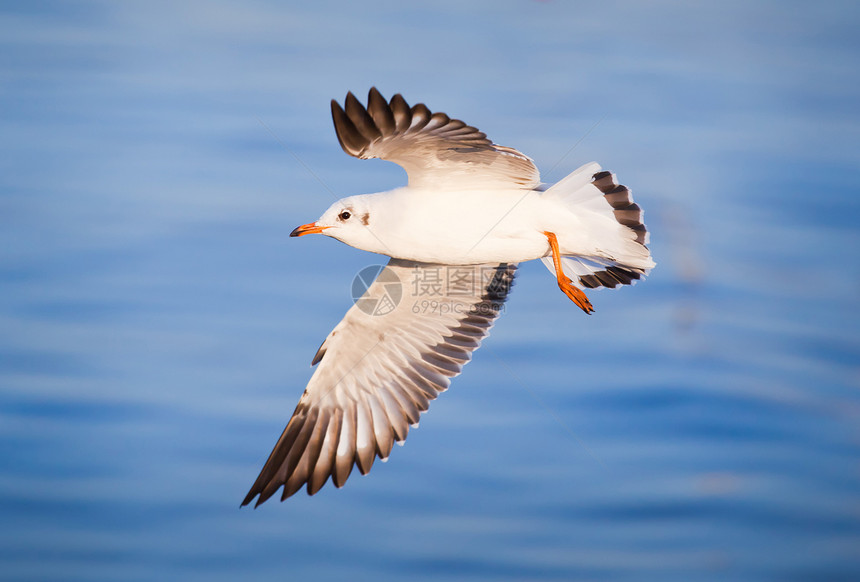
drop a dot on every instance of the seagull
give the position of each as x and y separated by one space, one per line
472 210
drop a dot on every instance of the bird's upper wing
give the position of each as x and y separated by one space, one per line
435 150
395 350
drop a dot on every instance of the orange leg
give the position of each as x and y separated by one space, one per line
565 284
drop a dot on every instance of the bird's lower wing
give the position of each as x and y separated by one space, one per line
395 350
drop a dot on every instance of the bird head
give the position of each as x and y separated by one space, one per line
347 220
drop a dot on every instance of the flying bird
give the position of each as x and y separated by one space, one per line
472 210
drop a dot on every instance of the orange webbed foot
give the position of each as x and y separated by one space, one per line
564 283
576 295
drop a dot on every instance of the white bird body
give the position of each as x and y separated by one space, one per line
451 227
468 227
468 202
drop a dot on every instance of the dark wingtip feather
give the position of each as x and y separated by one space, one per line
380 111
402 113
420 117
348 136
361 119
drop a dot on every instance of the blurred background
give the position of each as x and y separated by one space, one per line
157 323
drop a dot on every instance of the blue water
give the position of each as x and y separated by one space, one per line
157 322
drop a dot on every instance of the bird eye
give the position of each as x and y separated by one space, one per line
344 215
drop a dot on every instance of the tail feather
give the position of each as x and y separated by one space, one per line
619 197
592 188
593 272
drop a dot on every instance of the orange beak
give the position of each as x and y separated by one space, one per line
309 228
